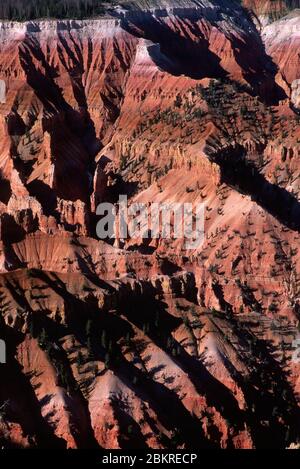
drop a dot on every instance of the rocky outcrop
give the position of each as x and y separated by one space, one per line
122 343
282 43
102 353
270 10
295 97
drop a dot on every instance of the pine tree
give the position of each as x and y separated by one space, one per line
104 339
90 346
34 9
43 338
89 328
31 328
80 359
107 360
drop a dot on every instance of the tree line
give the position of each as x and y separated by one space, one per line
24 10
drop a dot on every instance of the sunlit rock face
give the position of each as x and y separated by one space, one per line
129 343
295 97
2 92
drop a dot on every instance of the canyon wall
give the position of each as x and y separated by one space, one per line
187 102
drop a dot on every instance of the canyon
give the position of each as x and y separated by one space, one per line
130 343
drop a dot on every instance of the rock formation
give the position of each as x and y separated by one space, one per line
133 343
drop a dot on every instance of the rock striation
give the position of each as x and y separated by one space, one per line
131 343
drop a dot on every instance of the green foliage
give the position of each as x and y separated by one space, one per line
130 429
89 328
176 438
123 162
43 339
107 360
178 101
23 10
80 359
104 339
213 269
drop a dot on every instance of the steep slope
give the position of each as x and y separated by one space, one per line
100 373
164 101
270 10
282 43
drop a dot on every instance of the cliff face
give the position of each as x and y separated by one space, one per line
271 10
191 102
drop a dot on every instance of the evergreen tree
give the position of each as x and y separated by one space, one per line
104 339
43 338
107 360
23 10
80 359
89 328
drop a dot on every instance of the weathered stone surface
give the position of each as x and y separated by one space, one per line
139 342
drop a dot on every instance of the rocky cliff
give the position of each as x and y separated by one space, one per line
141 342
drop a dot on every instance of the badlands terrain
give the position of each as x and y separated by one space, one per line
142 343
